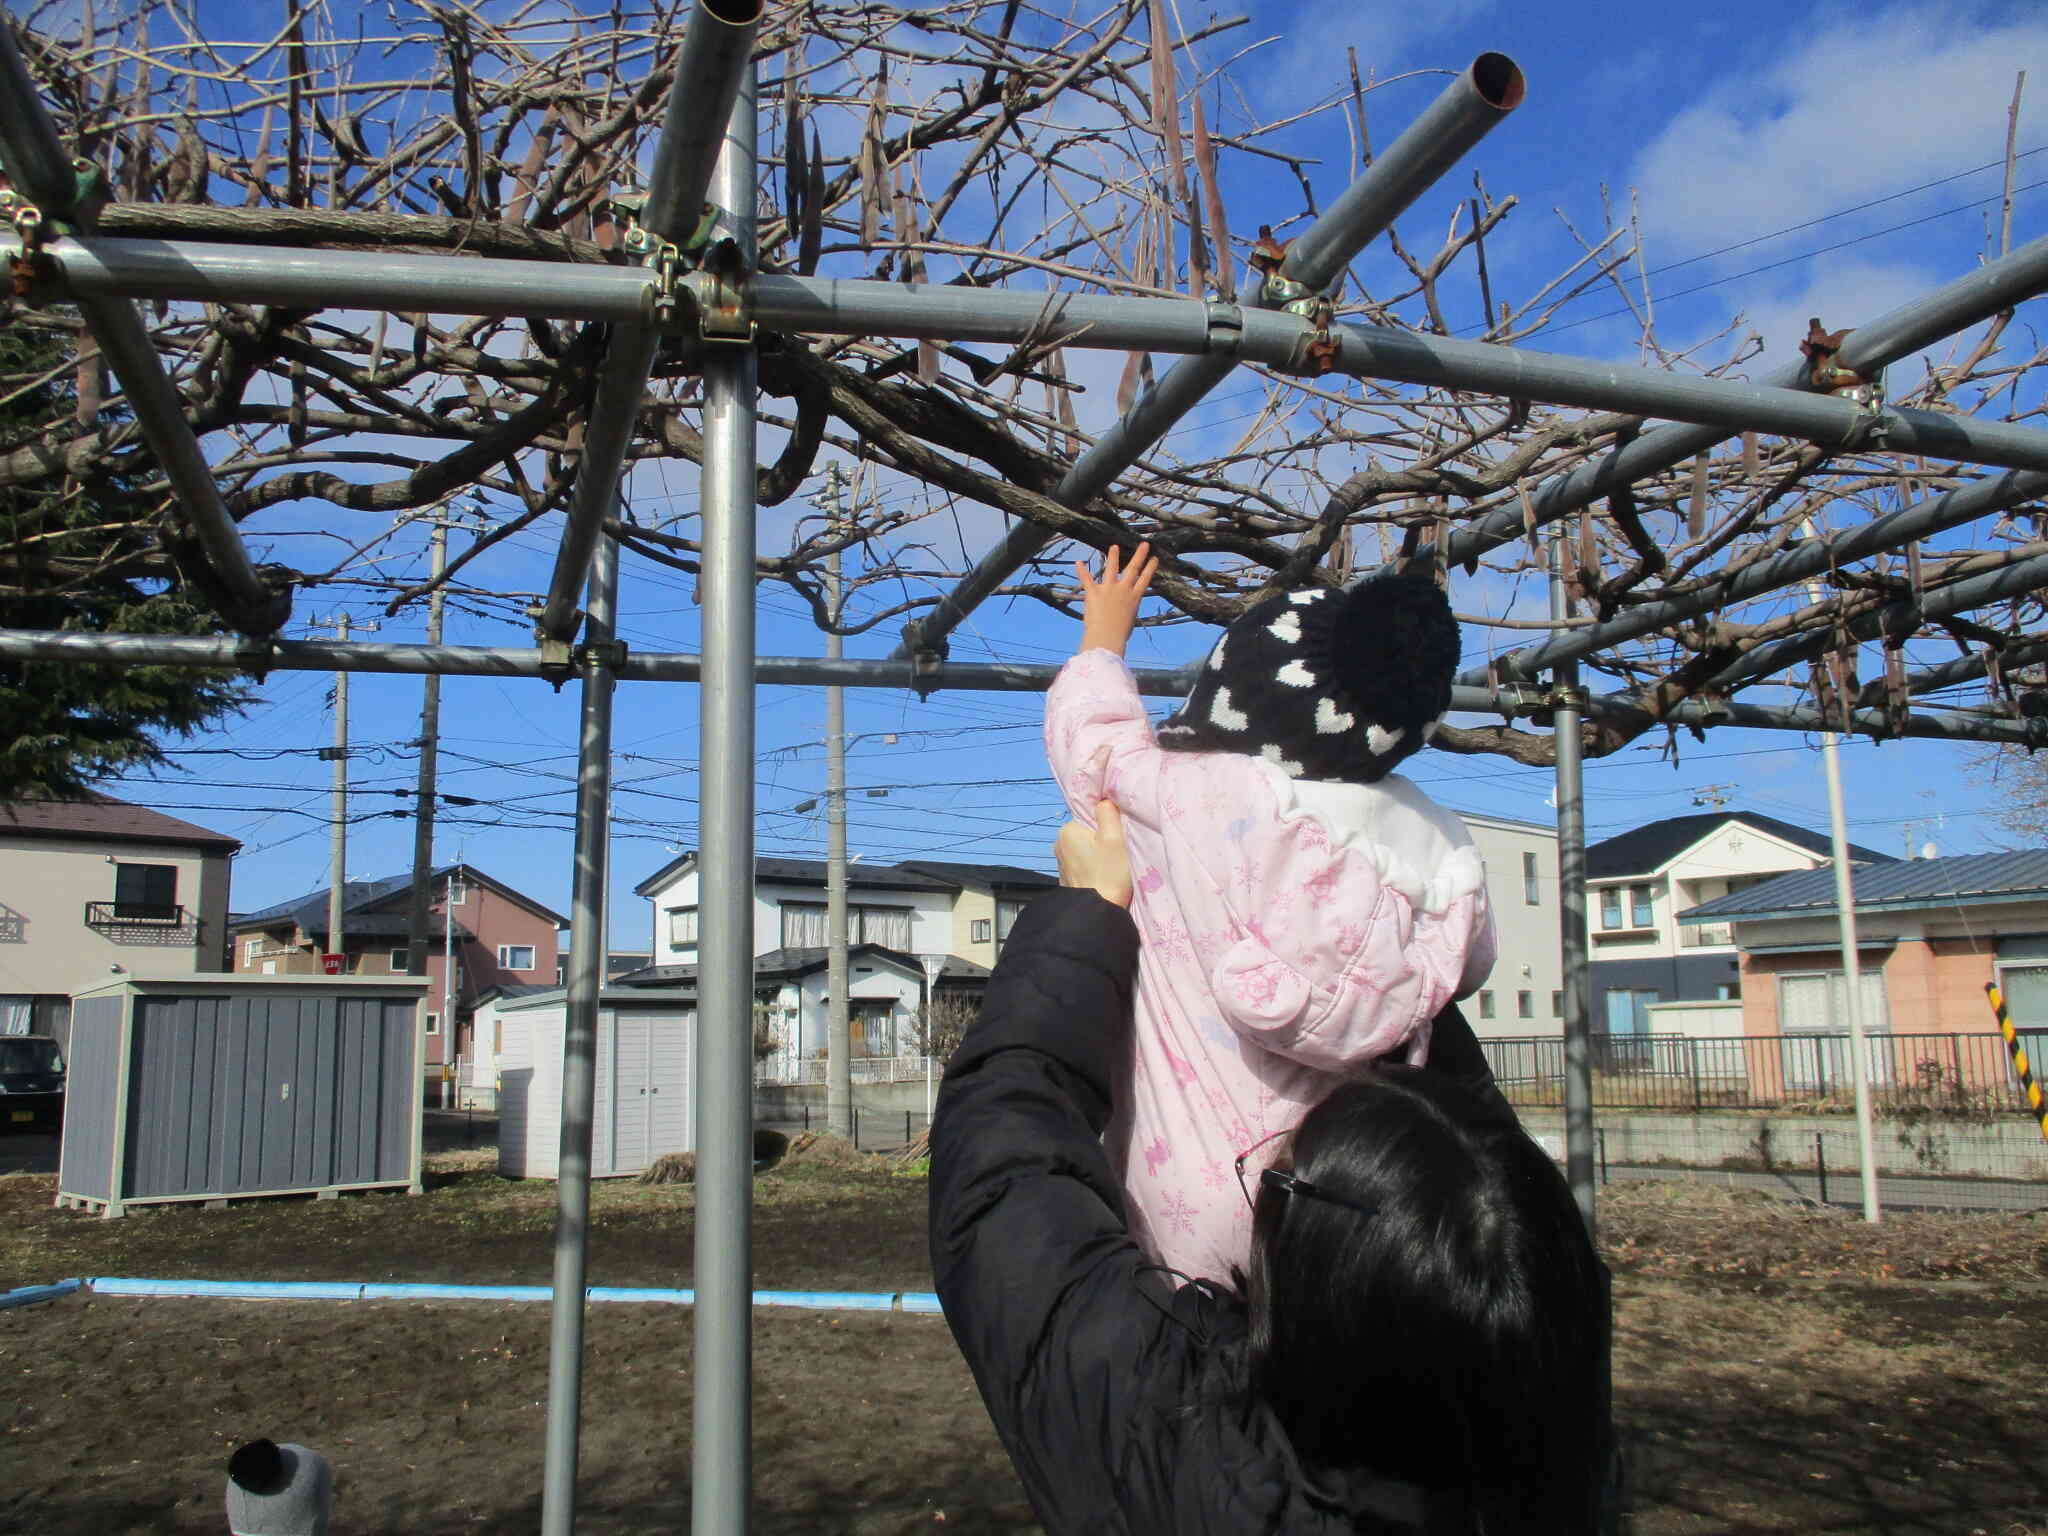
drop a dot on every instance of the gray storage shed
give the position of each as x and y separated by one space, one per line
199 1087
646 1043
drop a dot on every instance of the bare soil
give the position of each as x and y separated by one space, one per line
1777 1369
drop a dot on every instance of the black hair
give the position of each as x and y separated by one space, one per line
1454 1338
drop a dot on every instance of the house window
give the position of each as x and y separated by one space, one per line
1610 906
1525 1005
1557 1005
1007 913
458 891
433 1023
146 891
558 973
682 927
1532 890
515 957
804 926
400 959
983 930
252 948
1639 906
1486 1005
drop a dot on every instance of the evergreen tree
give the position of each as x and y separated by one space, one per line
80 557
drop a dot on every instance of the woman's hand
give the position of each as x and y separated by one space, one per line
1109 607
1095 858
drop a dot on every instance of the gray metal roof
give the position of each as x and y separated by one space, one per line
1965 879
1648 848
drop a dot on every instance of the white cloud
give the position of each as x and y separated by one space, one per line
1870 104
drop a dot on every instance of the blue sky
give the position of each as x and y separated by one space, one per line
1871 127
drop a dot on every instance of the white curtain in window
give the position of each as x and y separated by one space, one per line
1007 913
17 1015
886 926
803 927
682 925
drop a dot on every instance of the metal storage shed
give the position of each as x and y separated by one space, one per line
645 1045
202 1087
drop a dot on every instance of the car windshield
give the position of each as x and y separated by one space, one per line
36 1056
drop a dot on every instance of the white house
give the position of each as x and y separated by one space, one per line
899 918
1524 994
1639 881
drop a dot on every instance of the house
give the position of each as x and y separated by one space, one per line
96 888
1639 881
1525 993
496 935
1929 934
898 918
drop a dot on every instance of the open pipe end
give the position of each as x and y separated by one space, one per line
744 13
1498 80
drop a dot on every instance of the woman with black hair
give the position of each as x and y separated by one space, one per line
1417 1342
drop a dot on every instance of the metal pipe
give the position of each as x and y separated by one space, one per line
721 1448
337 850
2016 579
1868 349
1571 885
717 48
809 671
838 1009
1964 669
30 147
579 1057
1810 557
1470 108
1174 325
34 158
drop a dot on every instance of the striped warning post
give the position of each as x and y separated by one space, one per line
2020 1064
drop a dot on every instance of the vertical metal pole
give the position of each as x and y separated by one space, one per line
338 842
423 798
1852 974
1571 881
721 1453
579 1052
838 1026
1852 977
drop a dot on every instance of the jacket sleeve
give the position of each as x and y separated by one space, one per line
1062 1321
1099 739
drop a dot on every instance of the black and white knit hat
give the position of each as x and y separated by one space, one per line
1326 684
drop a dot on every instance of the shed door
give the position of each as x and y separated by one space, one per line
632 1090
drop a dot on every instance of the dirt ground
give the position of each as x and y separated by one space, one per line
1777 1369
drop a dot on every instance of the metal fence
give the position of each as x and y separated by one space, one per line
874 1129
1955 1074
777 1072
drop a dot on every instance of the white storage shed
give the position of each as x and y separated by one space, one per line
646 1043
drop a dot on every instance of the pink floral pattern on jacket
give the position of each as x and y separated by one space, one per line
1279 954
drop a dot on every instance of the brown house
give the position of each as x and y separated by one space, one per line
496 935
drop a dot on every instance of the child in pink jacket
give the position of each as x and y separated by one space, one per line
1304 910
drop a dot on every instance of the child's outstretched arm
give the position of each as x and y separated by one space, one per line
1109 605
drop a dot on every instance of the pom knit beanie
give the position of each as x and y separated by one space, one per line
1326 684
279 1490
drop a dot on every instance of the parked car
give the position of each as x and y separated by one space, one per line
31 1083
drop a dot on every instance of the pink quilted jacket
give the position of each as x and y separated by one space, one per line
1279 951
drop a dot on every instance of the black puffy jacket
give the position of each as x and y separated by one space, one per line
1118 1394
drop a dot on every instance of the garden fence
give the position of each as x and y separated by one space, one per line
1953 1074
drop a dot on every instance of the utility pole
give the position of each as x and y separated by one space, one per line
838 1031
424 797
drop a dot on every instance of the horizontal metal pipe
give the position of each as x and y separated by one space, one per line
2014 579
1727 405
159 269
1964 669
1937 724
1807 558
1897 333
1464 113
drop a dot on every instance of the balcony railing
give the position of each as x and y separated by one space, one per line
109 914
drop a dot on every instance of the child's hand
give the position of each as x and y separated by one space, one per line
1095 858
1109 607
